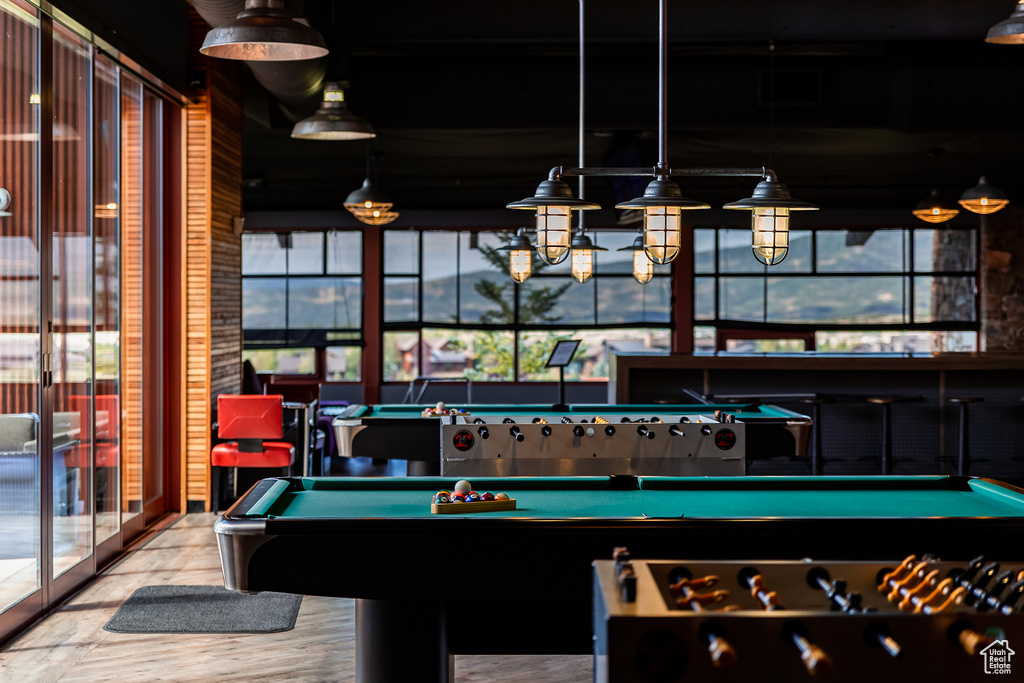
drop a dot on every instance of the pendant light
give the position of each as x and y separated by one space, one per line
333 120
983 198
263 31
935 208
368 203
583 249
520 256
1009 31
554 203
770 205
662 204
643 267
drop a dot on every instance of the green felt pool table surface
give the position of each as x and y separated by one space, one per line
649 498
400 410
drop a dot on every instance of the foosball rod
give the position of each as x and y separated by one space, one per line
815 660
722 653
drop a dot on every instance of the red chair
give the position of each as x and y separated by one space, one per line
108 431
249 420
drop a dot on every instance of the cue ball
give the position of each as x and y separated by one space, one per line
501 496
462 486
439 407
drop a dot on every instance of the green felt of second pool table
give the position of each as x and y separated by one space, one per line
653 497
415 575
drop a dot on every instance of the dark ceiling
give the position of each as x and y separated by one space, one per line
473 102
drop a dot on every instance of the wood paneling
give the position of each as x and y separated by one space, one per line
212 256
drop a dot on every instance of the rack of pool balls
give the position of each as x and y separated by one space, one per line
464 499
443 411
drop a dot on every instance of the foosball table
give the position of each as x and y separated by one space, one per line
411 432
666 444
922 618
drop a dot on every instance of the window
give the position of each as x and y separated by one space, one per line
302 290
889 290
452 310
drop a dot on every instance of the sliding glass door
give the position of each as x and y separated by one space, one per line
82 463
20 338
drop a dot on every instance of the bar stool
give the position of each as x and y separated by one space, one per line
817 459
963 459
886 403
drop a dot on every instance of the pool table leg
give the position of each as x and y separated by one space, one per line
402 641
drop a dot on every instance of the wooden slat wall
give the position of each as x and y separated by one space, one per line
212 255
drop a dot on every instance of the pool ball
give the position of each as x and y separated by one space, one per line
442 499
458 498
501 496
472 497
462 486
442 492
486 495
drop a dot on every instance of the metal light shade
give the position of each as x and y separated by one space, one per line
1009 31
554 204
583 257
769 206
663 205
369 205
520 257
333 120
935 208
263 31
643 267
983 198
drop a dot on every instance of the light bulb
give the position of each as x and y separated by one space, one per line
520 263
770 241
662 233
553 233
582 264
643 268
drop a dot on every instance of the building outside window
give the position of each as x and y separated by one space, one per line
906 290
452 310
302 292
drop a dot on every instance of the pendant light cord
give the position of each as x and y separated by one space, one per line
662 87
582 107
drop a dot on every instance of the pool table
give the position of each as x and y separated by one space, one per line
399 431
427 586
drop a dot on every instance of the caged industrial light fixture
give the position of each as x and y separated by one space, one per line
263 31
643 267
662 202
520 253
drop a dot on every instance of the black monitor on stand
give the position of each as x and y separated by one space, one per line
561 356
